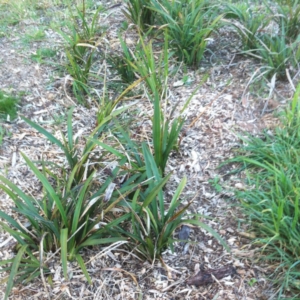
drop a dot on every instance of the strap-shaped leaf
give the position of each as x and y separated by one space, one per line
14 271
49 189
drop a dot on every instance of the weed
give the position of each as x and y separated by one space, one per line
271 200
42 54
33 35
8 106
215 182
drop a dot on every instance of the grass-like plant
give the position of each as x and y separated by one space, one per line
42 54
82 41
152 220
165 130
73 212
190 24
287 13
123 62
165 127
152 224
140 13
8 106
250 23
277 54
271 199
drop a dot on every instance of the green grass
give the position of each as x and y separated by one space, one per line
8 106
271 197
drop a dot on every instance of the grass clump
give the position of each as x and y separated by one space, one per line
82 37
271 199
271 35
75 211
139 12
8 106
189 24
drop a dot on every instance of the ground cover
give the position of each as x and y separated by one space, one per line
87 74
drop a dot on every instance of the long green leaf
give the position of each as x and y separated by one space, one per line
64 251
175 200
51 138
14 271
94 241
83 268
79 205
48 187
155 191
22 237
10 221
28 200
70 130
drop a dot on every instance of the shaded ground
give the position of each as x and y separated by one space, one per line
217 113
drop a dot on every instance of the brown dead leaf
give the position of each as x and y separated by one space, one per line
204 277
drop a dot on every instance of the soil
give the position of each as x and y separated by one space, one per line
217 114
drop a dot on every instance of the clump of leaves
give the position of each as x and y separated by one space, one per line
189 24
152 221
82 42
8 106
42 55
277 55
68 216
250 23
287 14
165 127
271 195
123 62
152 224
140 13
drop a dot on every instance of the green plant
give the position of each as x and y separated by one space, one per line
67 218
287 14
2 133
8 106
165 130
271 198
165 127
77 161
33 35
252 281
107 106
152 220
189 25
42 54
81 49
139 12
215 182
277 55
72 213
123 62
250 23
153 225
